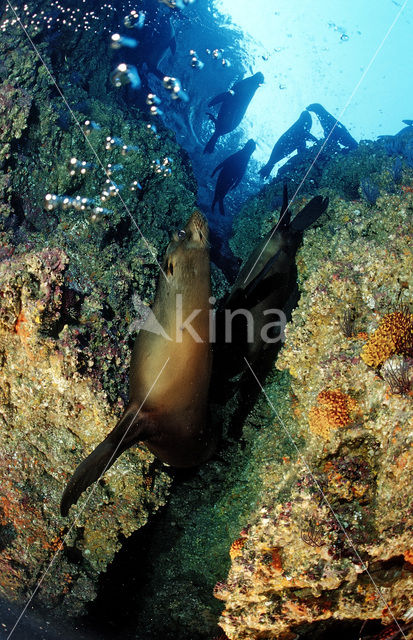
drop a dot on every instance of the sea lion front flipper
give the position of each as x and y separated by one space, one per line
219 98
131 428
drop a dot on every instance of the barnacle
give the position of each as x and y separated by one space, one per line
394 335
332 411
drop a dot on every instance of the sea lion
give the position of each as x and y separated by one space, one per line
169 372
294 138
401 142
232 170
234 104
266 281
333 129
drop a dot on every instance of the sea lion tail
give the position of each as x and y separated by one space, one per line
128 431
210 145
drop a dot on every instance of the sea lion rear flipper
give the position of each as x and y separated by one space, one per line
210 145
217 168
310 213
131 428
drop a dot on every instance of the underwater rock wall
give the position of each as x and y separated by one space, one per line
330 537
51 416
75 281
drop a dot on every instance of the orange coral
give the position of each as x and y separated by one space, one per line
332 411
394 335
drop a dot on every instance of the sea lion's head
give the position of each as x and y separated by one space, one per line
183 252
316 107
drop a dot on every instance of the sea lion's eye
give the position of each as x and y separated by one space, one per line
181 234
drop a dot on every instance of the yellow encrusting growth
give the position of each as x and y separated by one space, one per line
236 547
393 336
332 411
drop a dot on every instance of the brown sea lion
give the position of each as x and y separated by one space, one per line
169 372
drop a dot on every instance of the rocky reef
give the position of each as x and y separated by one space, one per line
76 277
329 540
51 415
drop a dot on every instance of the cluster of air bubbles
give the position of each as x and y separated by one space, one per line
134 19
110 190
79 166
177 4
112 168
135 186
89 126
162 167
58 16
152 98
78 203
152 129
196 63
112 142
174 87
218 54
125 74
118 41
344 36
153 103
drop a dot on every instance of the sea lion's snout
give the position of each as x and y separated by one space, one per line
197 228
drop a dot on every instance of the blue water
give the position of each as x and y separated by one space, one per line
353 57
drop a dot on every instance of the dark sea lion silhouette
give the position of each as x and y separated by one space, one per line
234 104
333 129
265 282
232 170
169 372
401 142
294 138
